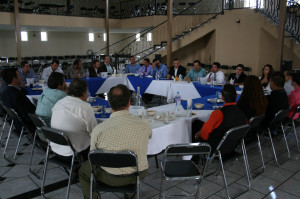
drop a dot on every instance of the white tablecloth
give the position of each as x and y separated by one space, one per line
177 131
113 81
159 87
186 90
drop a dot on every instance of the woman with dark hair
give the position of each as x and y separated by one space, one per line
266 75
253 100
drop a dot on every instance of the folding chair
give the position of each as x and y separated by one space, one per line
4 122
255 122
294 126
276 122
58 137
15 119
113 159
39 123
183 169
232 138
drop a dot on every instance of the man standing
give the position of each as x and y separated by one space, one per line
75 71
216 74
57 89
53 68
159 68
239 76
94 69
132 67
288 82
176 70
122 131
195 72
26 72
105 66
220 121
146 68
278 98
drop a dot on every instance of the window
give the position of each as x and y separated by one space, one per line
104 37
44 36
138 37
149 36
91 37
24 36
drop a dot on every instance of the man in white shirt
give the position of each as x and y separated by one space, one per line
74 116
216 74
288 82
53 68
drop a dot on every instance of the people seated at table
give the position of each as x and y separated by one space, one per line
122 131
146 68
159 68
94 69
266 75
195 72
57 89
132 67
74 116
220 121
238 77
288 81
176 70
105 66
53 68
253 100
27 72
15 97
294 97
278 98
216 74
75 71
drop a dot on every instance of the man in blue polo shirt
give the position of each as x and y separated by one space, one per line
157 67
132 67
26 72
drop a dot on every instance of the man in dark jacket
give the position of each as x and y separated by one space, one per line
94 69
176 70
15 97
239 76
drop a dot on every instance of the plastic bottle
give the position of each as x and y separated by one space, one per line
178 99
199 79
180 77
87 74
138 96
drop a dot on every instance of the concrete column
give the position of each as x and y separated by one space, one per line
107 26
17 31
281 31
169 33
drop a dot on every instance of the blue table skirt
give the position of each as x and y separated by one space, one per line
34 92
143 83
94 83
206 90
100 102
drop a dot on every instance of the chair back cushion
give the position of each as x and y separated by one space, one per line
37 121
255 122
55 136
188 149
279 117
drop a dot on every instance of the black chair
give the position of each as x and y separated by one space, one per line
232 138
294 126
247 69
4 122
15 119
232 68
58 137
255 122
275 123
225 67
183 169
113 159
38 123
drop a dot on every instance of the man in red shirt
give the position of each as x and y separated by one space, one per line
219 122
294 97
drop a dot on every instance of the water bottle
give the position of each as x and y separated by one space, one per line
211 83
178 99
156 76
199 79
180 77
87 74
138 96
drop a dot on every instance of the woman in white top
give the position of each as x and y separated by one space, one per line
74 116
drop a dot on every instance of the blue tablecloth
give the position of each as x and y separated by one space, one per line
100 102
34 92
206 90
94 83
143 83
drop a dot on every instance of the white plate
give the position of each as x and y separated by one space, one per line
37 89
218 100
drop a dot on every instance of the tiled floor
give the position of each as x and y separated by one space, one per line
274 182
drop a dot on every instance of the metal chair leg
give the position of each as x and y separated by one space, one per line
21 135
138 188
161 193
260 152
30 161
70 177
4 122
91 185
44 172
246 163
224 177
295 133
271 140
286 143
6 144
